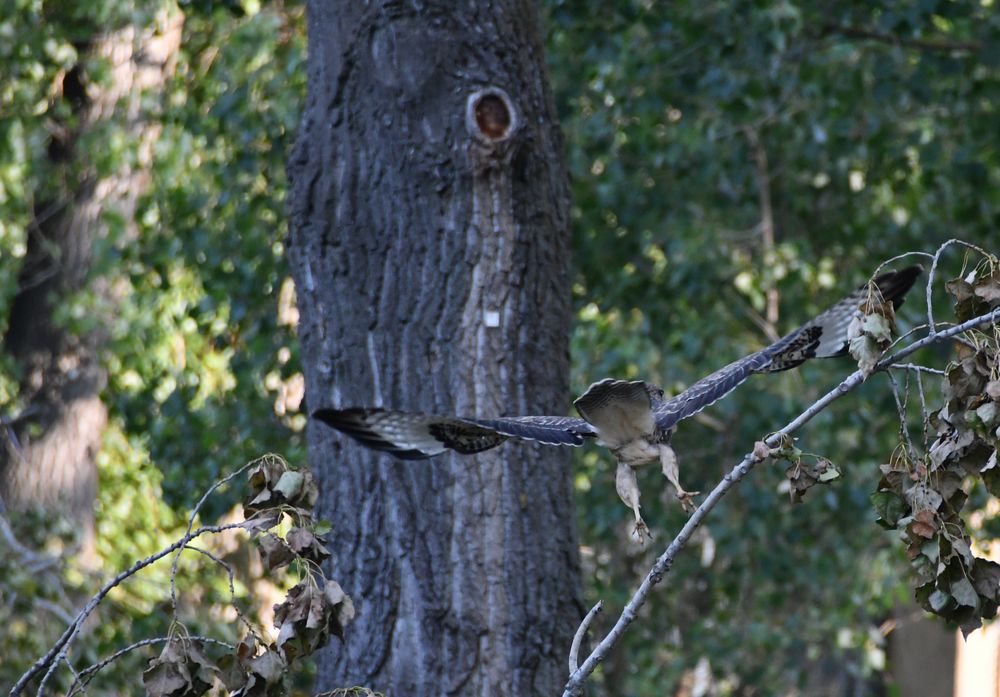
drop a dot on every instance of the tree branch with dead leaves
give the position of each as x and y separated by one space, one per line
313 611
977 305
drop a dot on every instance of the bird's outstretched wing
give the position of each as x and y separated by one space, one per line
823 337
415 435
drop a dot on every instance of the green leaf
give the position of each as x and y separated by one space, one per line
889 506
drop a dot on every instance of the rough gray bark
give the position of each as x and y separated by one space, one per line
429 246
48 454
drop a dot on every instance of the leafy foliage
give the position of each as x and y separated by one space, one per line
862 130
181 670
871 147
202 366
305 618
923 496
802 474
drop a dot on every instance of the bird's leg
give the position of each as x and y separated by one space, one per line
628 491
668 460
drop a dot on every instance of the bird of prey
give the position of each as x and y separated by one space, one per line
629 417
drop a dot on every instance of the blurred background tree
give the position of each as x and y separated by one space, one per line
181 297
736 167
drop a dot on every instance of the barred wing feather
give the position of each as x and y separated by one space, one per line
823 337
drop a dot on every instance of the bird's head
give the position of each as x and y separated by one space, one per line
655 392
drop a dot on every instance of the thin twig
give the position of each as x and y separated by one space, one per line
901 409
58 651
232 589
916 368
574 686
88 673
931 323
581 632
902 41
191 519
898 257
763 177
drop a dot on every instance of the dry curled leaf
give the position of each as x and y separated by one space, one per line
274 552
992 390
975 294
181 670
761 451
254 671
275 488
869 333
310 615
307 545
988 288
803 476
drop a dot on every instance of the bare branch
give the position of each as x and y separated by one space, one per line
57 653
574 686
904 432
581 632
87 674
905 42
918 368
194 514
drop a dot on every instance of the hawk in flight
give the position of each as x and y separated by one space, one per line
630 418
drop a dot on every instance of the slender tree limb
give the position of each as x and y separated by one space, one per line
57 653
916 368
87 674
763 176
574 686
194 514
904 431
581 632
903 41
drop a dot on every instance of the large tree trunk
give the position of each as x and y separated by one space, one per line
48 459
429 243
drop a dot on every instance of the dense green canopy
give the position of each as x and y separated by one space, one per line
736 166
